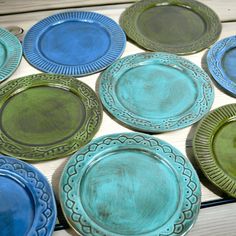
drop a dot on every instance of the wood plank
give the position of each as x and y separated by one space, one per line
215 221
226 10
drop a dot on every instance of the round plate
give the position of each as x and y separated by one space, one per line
221 63
179 26
214 148
10 54
155 92
129 184
46 116
74 43
27 201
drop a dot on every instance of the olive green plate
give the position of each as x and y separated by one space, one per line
214 148
46 116
176 26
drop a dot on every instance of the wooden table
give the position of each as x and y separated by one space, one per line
216 217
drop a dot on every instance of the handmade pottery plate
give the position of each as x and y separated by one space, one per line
45 116
214 147
27 203
74 43
221 63
180 26
129 184
10 54
155 92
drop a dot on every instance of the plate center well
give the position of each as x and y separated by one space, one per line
42 115
172 25
16 208
156 91
74 43
224 146
229 64
130 192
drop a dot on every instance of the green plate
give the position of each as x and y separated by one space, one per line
130 184
46 116
176 26
214 148
10 53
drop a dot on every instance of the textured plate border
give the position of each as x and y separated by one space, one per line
14 53
64 148
203 152
79 162
117 46
45 205
214 58
129 17
204 100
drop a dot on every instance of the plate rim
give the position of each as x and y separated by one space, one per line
114 51
214 58
208 161
130 120
14 49
89 128
38 182
132 12
79 158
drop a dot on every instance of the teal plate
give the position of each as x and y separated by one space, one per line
129 184
155 92
10 53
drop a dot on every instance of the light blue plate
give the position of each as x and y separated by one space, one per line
130 184
221 60
74 43
10 54
155 92
27 204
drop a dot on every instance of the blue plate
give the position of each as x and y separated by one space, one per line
130 184
155 92
27 205
10 53
74 43
221 63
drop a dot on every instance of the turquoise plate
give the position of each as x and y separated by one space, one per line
10 53
221 64
129 184
155 92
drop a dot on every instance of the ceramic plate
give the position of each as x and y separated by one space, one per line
179 26
10 54
46 116
27 203
155 92
221 63
214 147
74 43
129 184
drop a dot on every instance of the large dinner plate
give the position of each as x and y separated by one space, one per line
221 63
45 116
155 92
27 203
74 43
10 53
129 184
214 148
179 26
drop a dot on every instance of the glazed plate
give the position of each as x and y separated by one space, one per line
221 63
46 116
74 43
129 184
214 148
10 54
155 92
176 26
27 203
